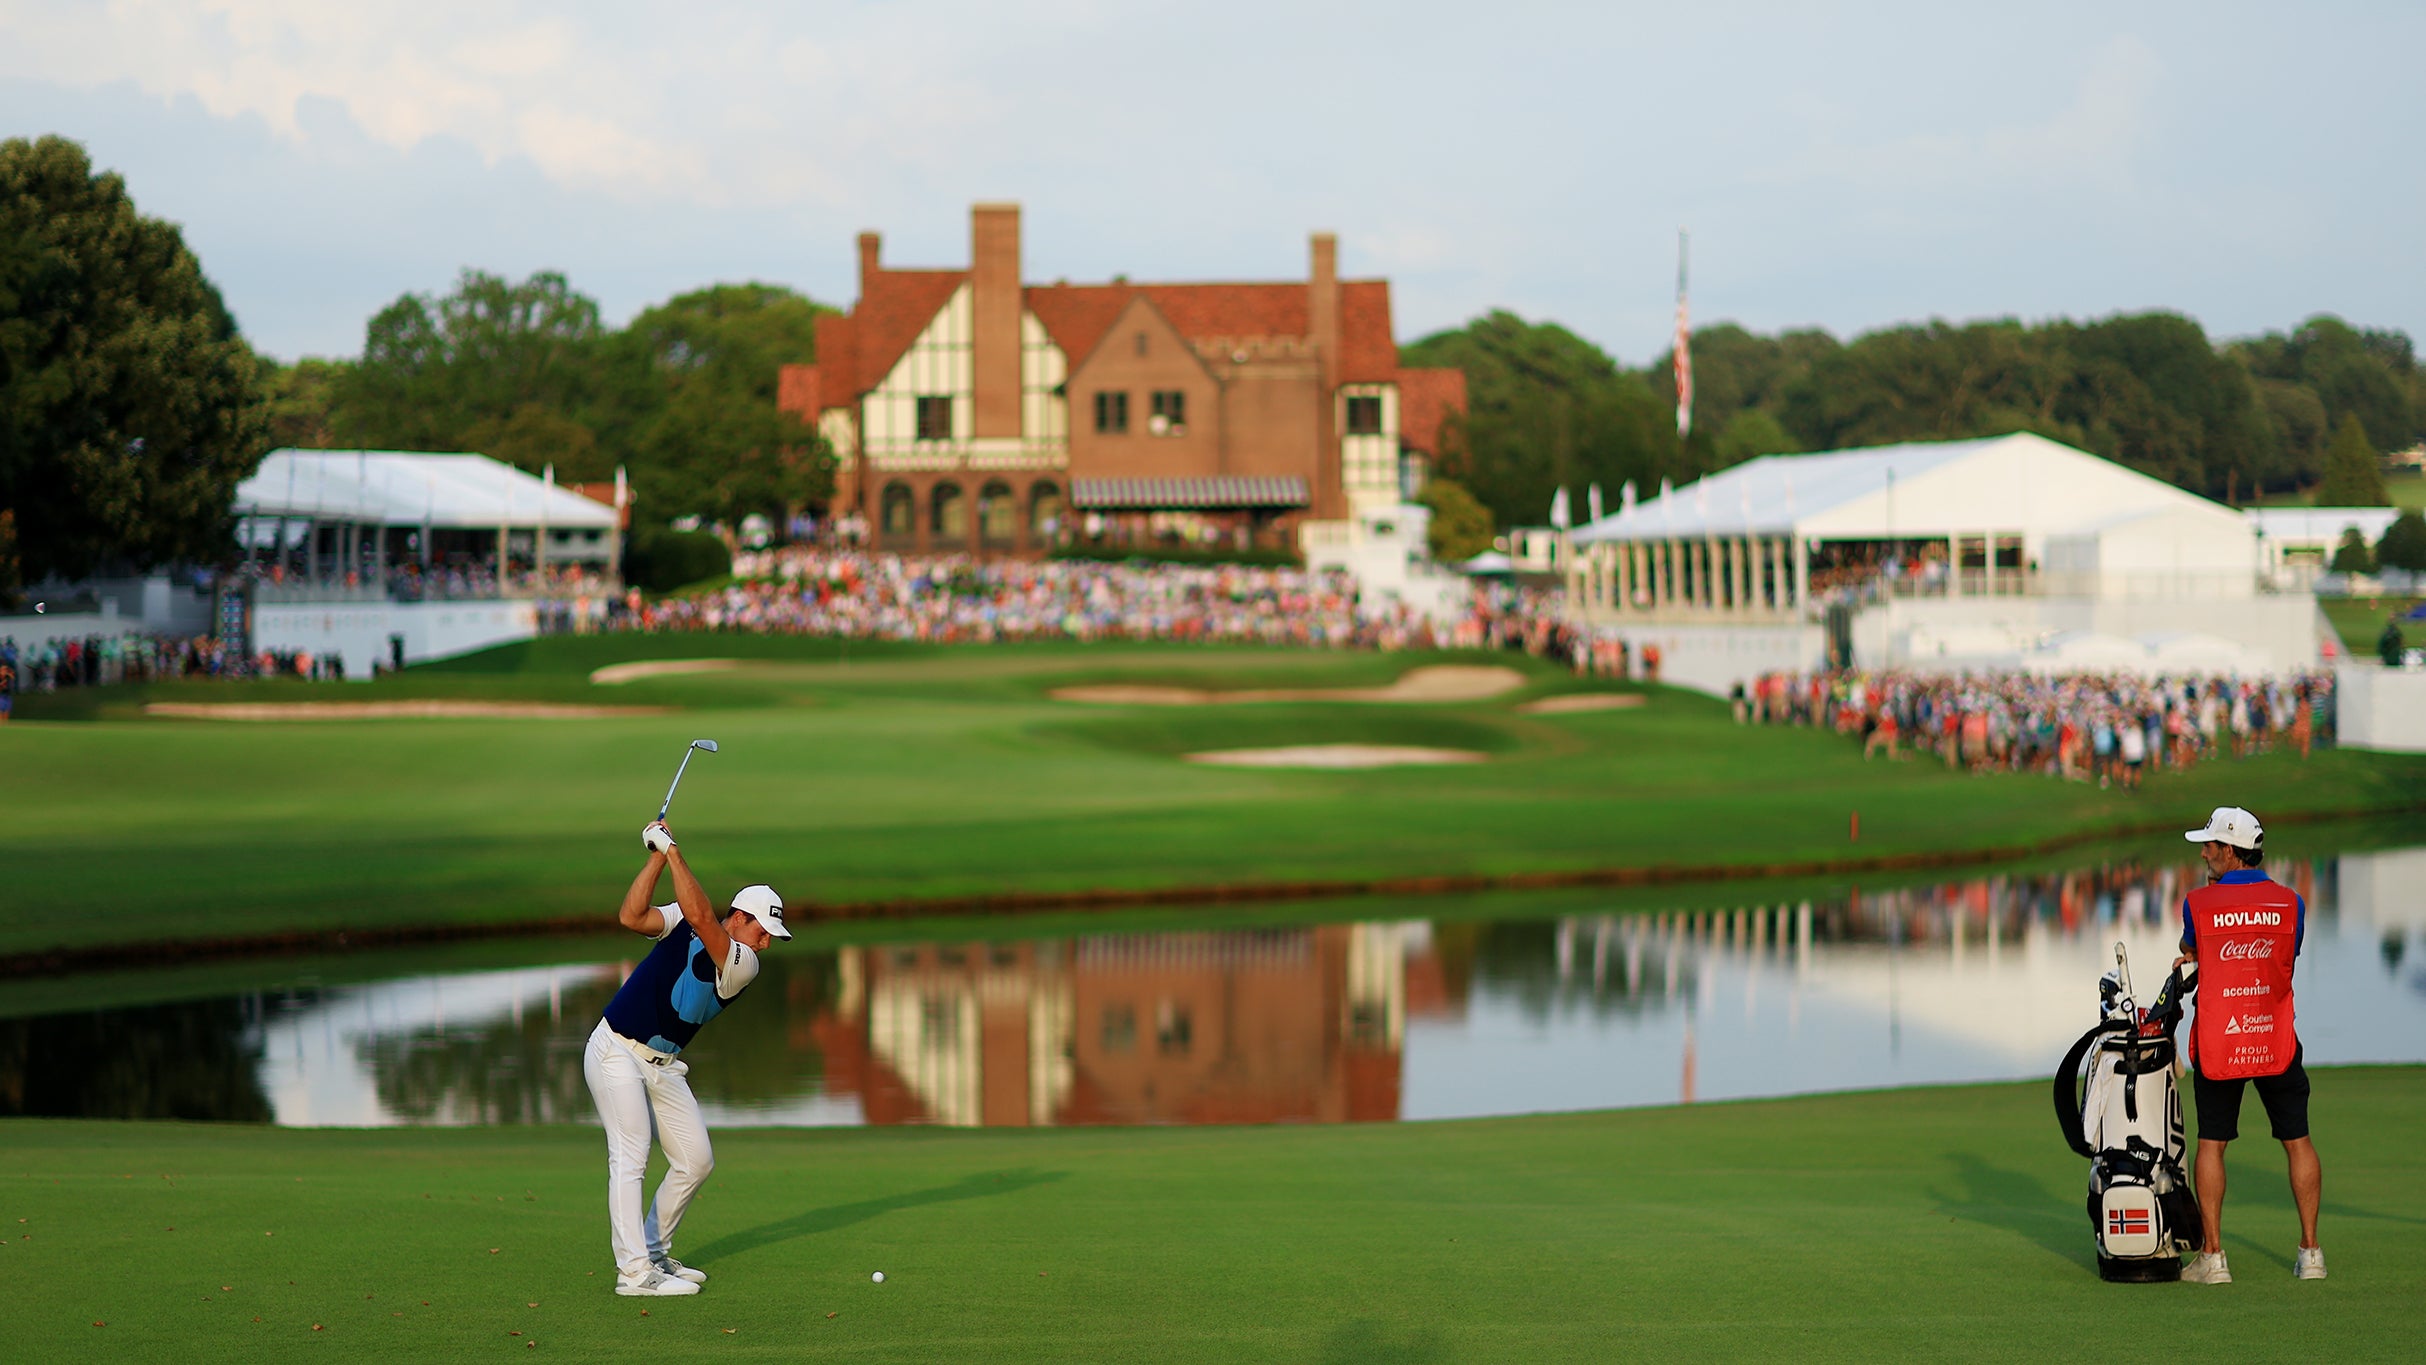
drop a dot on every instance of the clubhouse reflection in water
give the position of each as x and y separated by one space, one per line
1298 1025
1309 1024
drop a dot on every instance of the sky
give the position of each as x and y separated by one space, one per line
1847 167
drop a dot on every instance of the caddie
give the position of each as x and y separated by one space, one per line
634 1065
2244 929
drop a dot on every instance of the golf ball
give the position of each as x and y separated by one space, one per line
878 1277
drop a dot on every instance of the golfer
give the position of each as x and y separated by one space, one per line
700 965
2243 930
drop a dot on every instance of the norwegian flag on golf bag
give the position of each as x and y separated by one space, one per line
2127 1222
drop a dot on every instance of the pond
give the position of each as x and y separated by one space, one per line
1386 1017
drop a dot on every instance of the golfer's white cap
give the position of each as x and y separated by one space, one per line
2229 825
762 904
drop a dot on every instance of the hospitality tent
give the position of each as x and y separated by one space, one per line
1978 513
347 503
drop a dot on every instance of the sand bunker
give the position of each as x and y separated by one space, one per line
659 668
1437 683
1582 701
390 710
1336 756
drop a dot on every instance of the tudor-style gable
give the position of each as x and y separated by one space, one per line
1142 405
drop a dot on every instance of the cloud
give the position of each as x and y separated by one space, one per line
1844 167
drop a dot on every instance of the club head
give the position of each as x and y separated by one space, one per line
707 744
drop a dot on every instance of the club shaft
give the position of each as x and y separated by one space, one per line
669 791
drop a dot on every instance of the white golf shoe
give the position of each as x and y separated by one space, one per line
2310 1265
667 1265
652 1283
2208 1267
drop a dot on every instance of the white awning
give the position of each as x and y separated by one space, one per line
411 488
2021 483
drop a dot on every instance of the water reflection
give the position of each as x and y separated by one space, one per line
1977 979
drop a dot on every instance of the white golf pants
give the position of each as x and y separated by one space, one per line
638 1099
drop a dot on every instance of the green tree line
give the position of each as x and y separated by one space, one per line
131 406
2309 409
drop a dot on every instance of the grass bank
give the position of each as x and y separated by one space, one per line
903 774
1923 1225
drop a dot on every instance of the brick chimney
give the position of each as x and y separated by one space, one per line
1322 328
870 247
1322 306
994 318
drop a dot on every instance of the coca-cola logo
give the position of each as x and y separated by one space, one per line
2246 950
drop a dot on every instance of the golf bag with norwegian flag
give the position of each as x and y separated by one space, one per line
2116 1101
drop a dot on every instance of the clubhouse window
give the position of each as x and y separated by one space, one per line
1119 1028
1364 416
1174 1029
934 418
1112 412
1170 415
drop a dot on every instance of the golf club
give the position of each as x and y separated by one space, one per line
707 744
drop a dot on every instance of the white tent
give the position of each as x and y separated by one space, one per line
411 488
2020 483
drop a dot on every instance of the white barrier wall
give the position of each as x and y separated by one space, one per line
362 633
1713 658
2380 708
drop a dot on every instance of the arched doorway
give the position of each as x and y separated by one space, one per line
997 514
897 514
948 515
1045 511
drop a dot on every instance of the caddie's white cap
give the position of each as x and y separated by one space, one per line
2229 825
762 904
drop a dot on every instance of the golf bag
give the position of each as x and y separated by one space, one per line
2117 1104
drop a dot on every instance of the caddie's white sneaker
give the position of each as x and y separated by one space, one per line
2207 1267
2310 1265
667 1265
652 1283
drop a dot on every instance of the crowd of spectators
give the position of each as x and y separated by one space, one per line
956 598
134 657
2088 727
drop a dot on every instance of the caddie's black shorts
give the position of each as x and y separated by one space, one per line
2285 1096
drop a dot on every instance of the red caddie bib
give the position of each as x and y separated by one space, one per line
2246 936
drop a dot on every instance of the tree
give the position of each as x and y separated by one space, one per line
2404 544
1461 527
1546 410
436 373
2351 477
1750 434
2352 554
300 398
707 437
129 405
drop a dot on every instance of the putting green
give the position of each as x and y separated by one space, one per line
1927 1225
856 773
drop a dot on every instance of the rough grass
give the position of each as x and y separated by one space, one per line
1924 1225
943 773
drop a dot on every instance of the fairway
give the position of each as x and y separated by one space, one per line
1925 1224
864 774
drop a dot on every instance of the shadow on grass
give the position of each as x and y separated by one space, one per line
2019 1203
827 1219
1365 1342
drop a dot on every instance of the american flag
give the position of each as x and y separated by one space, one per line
2126 1222
1684 348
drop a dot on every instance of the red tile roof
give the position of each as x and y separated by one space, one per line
855 354
1425 400
897 306
1368 353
